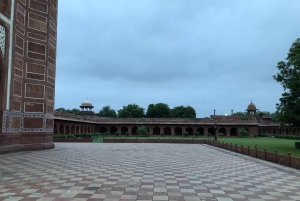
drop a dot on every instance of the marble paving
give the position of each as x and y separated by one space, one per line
125 172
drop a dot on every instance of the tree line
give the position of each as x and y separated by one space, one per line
159 110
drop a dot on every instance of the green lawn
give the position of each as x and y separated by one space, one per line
283 146
98 140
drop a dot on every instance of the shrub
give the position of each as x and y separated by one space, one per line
262 135
117 133
78 135
71 136
255 136
127 134
243 132
162 134
208 134
185 133
196 133
142 130
297 145
60 136
221 134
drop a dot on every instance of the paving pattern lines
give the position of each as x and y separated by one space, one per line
116 172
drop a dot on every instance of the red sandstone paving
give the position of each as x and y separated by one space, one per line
116 172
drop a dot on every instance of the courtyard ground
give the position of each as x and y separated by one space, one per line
113 172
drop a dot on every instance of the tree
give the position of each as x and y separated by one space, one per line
131 111
183 112
73 111
106 111
142 130
243 115
159 110
61 109
289 76
243 132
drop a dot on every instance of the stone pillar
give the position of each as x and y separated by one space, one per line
28 65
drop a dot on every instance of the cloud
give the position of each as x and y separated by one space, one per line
207 54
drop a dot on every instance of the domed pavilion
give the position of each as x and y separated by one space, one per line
86 108
251 109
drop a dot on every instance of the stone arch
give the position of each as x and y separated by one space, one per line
89 129
223 130
134 130
167 131
77 129
113 130
85 129
200 130
67 129
124 129
156 131
211 131
55 129
178 131
72 129
81 129
189 130
61 129
103 129
233 132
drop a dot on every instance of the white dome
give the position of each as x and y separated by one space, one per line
86 103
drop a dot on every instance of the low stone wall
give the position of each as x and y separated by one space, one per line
73 140
139 140
286 160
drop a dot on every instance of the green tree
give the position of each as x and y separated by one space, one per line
183 112
61 109
106 111
243 115
159 110
243 132
289 76
131 111
72 111
142 130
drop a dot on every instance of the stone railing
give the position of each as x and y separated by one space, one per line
287 160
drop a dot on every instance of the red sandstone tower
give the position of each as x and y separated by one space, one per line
27 72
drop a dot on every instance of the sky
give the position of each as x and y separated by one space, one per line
206 54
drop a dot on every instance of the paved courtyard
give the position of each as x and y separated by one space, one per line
114 172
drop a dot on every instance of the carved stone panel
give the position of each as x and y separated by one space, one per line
33 122
36 51
33 107
35 91
19 45
16 106
38 6
17 88
5 7
35 71
50 93
20 15
18 67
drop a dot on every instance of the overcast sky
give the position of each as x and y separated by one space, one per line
206 54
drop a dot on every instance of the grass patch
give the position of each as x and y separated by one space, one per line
98 140
283 146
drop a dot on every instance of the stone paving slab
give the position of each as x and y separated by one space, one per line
125 172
